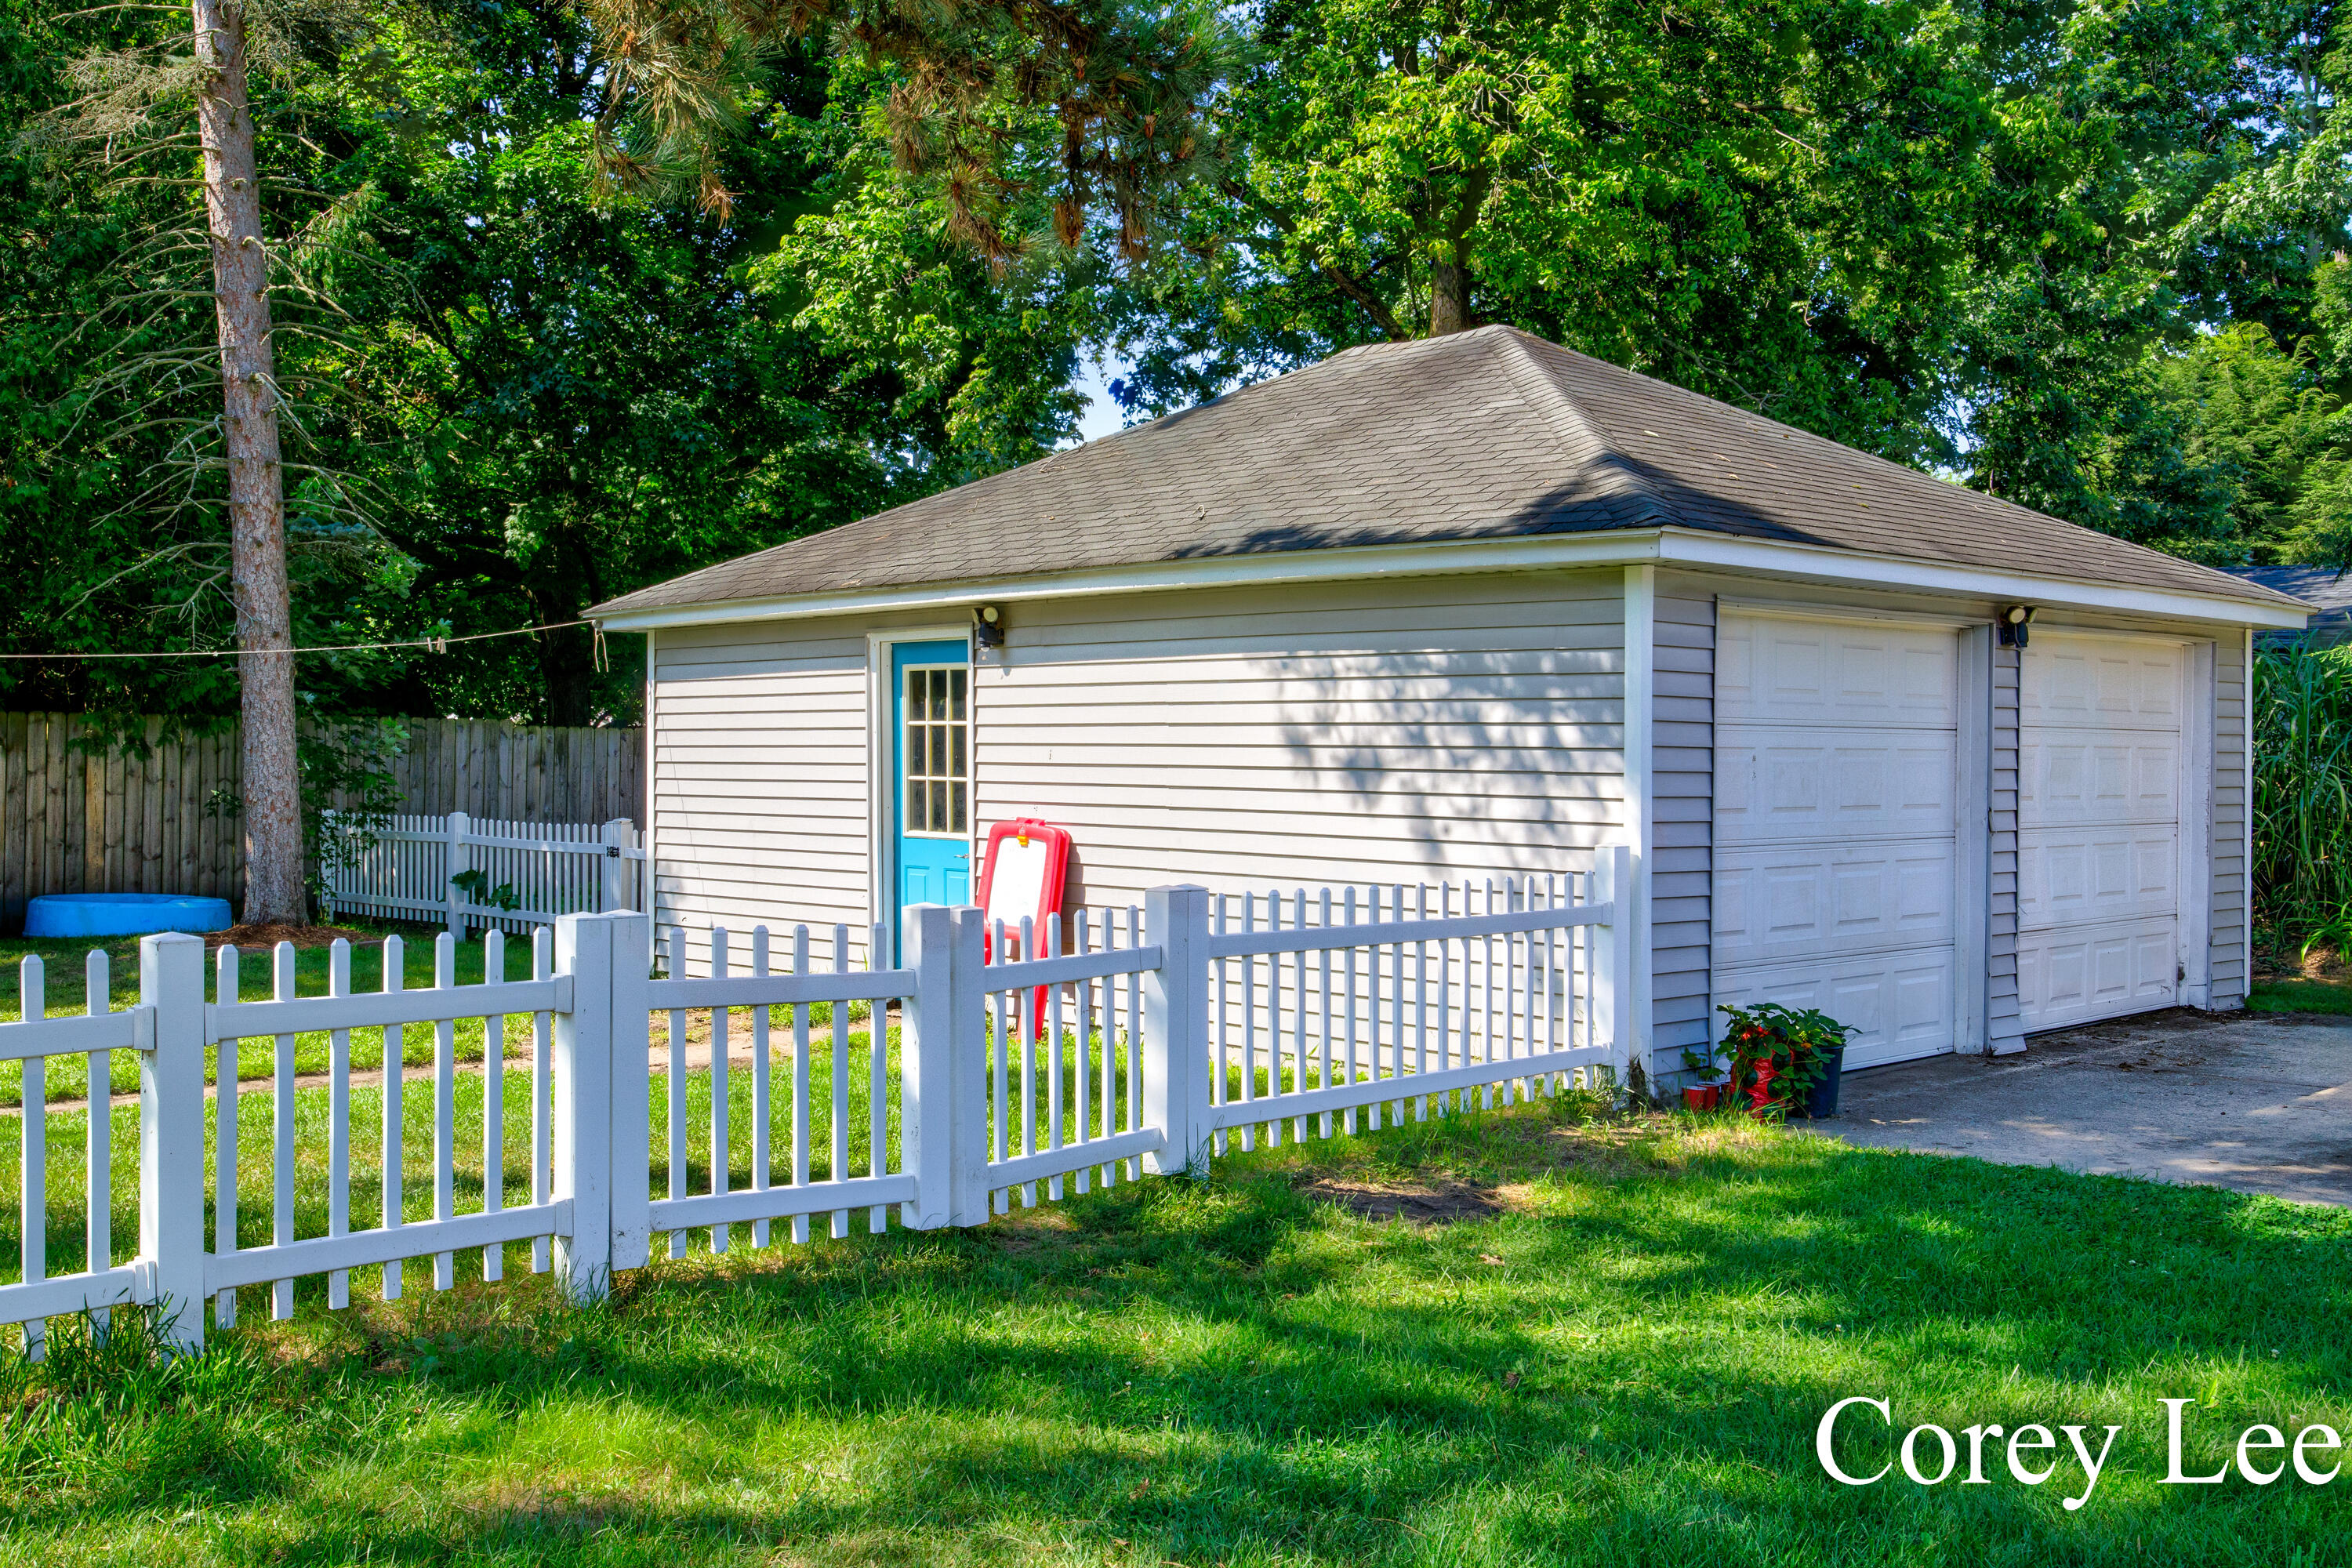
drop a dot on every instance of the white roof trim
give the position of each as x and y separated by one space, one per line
1769 558
1631 547
1419 560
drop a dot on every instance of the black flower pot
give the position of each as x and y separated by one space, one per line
1821 1100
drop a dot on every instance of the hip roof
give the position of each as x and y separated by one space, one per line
1488 434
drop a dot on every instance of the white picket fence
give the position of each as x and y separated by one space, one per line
1134 1051
405 869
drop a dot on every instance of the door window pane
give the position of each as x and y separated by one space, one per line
934 747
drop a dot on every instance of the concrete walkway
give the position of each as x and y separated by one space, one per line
2262 1104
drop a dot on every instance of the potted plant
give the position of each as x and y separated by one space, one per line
1700 1095
1786 1060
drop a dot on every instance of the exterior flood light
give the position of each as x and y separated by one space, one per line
988 627
2014 621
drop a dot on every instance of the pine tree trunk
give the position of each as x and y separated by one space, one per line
257 504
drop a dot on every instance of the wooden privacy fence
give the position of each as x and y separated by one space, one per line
78 815
521 772
409 870
1128 1054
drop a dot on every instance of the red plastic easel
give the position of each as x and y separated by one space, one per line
1022 876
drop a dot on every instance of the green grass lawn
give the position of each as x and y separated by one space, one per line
65 1183
2278 988
2299 996
65 992
1616 1355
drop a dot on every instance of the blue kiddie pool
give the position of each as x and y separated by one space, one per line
123 914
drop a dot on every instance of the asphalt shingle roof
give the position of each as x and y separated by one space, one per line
1481 435
2323 586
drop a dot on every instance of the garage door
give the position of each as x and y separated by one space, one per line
2098 848
1836 773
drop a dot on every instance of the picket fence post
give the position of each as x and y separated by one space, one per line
632 1213
613 888
581 1091
456 861
927 1066
601 1094
1611 883
967 1079
1176 1028
171 1134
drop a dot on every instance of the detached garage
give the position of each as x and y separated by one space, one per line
1467 608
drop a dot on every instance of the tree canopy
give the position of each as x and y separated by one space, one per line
606 292
541 393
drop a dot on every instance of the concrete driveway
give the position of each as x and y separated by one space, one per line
2259 1103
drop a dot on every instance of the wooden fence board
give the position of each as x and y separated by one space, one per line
78 818
53 808
151 869
13 786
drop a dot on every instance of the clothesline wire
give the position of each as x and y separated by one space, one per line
438 645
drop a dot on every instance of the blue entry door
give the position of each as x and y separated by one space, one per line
930 764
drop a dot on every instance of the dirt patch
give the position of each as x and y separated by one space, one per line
1415 1202
269 936
2134 1029
2285 962
1022 1230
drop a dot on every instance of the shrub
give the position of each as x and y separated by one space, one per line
2302 862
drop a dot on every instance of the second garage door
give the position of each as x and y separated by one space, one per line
2099 776
1836 792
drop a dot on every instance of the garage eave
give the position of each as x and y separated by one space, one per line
1810 563
1540 553
1662 546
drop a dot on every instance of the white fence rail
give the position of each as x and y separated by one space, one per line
1150 1042
411 867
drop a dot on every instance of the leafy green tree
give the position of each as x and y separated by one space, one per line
1026 117
1761 203
1967 236
2140 163
576 393
184 326
2255 414
546 393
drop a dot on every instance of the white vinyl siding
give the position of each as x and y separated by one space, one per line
759 782
1303 737
1243 739
1403 729
1682 822
2004 1027
2227 816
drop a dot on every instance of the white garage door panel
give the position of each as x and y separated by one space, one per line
2074 876
2071 776
2096 972
2099 682
2099 776
1836 780
1900 1006
1775 784
1839 672
1784 903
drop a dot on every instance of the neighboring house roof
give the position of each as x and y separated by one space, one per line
2326 587
1486 434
